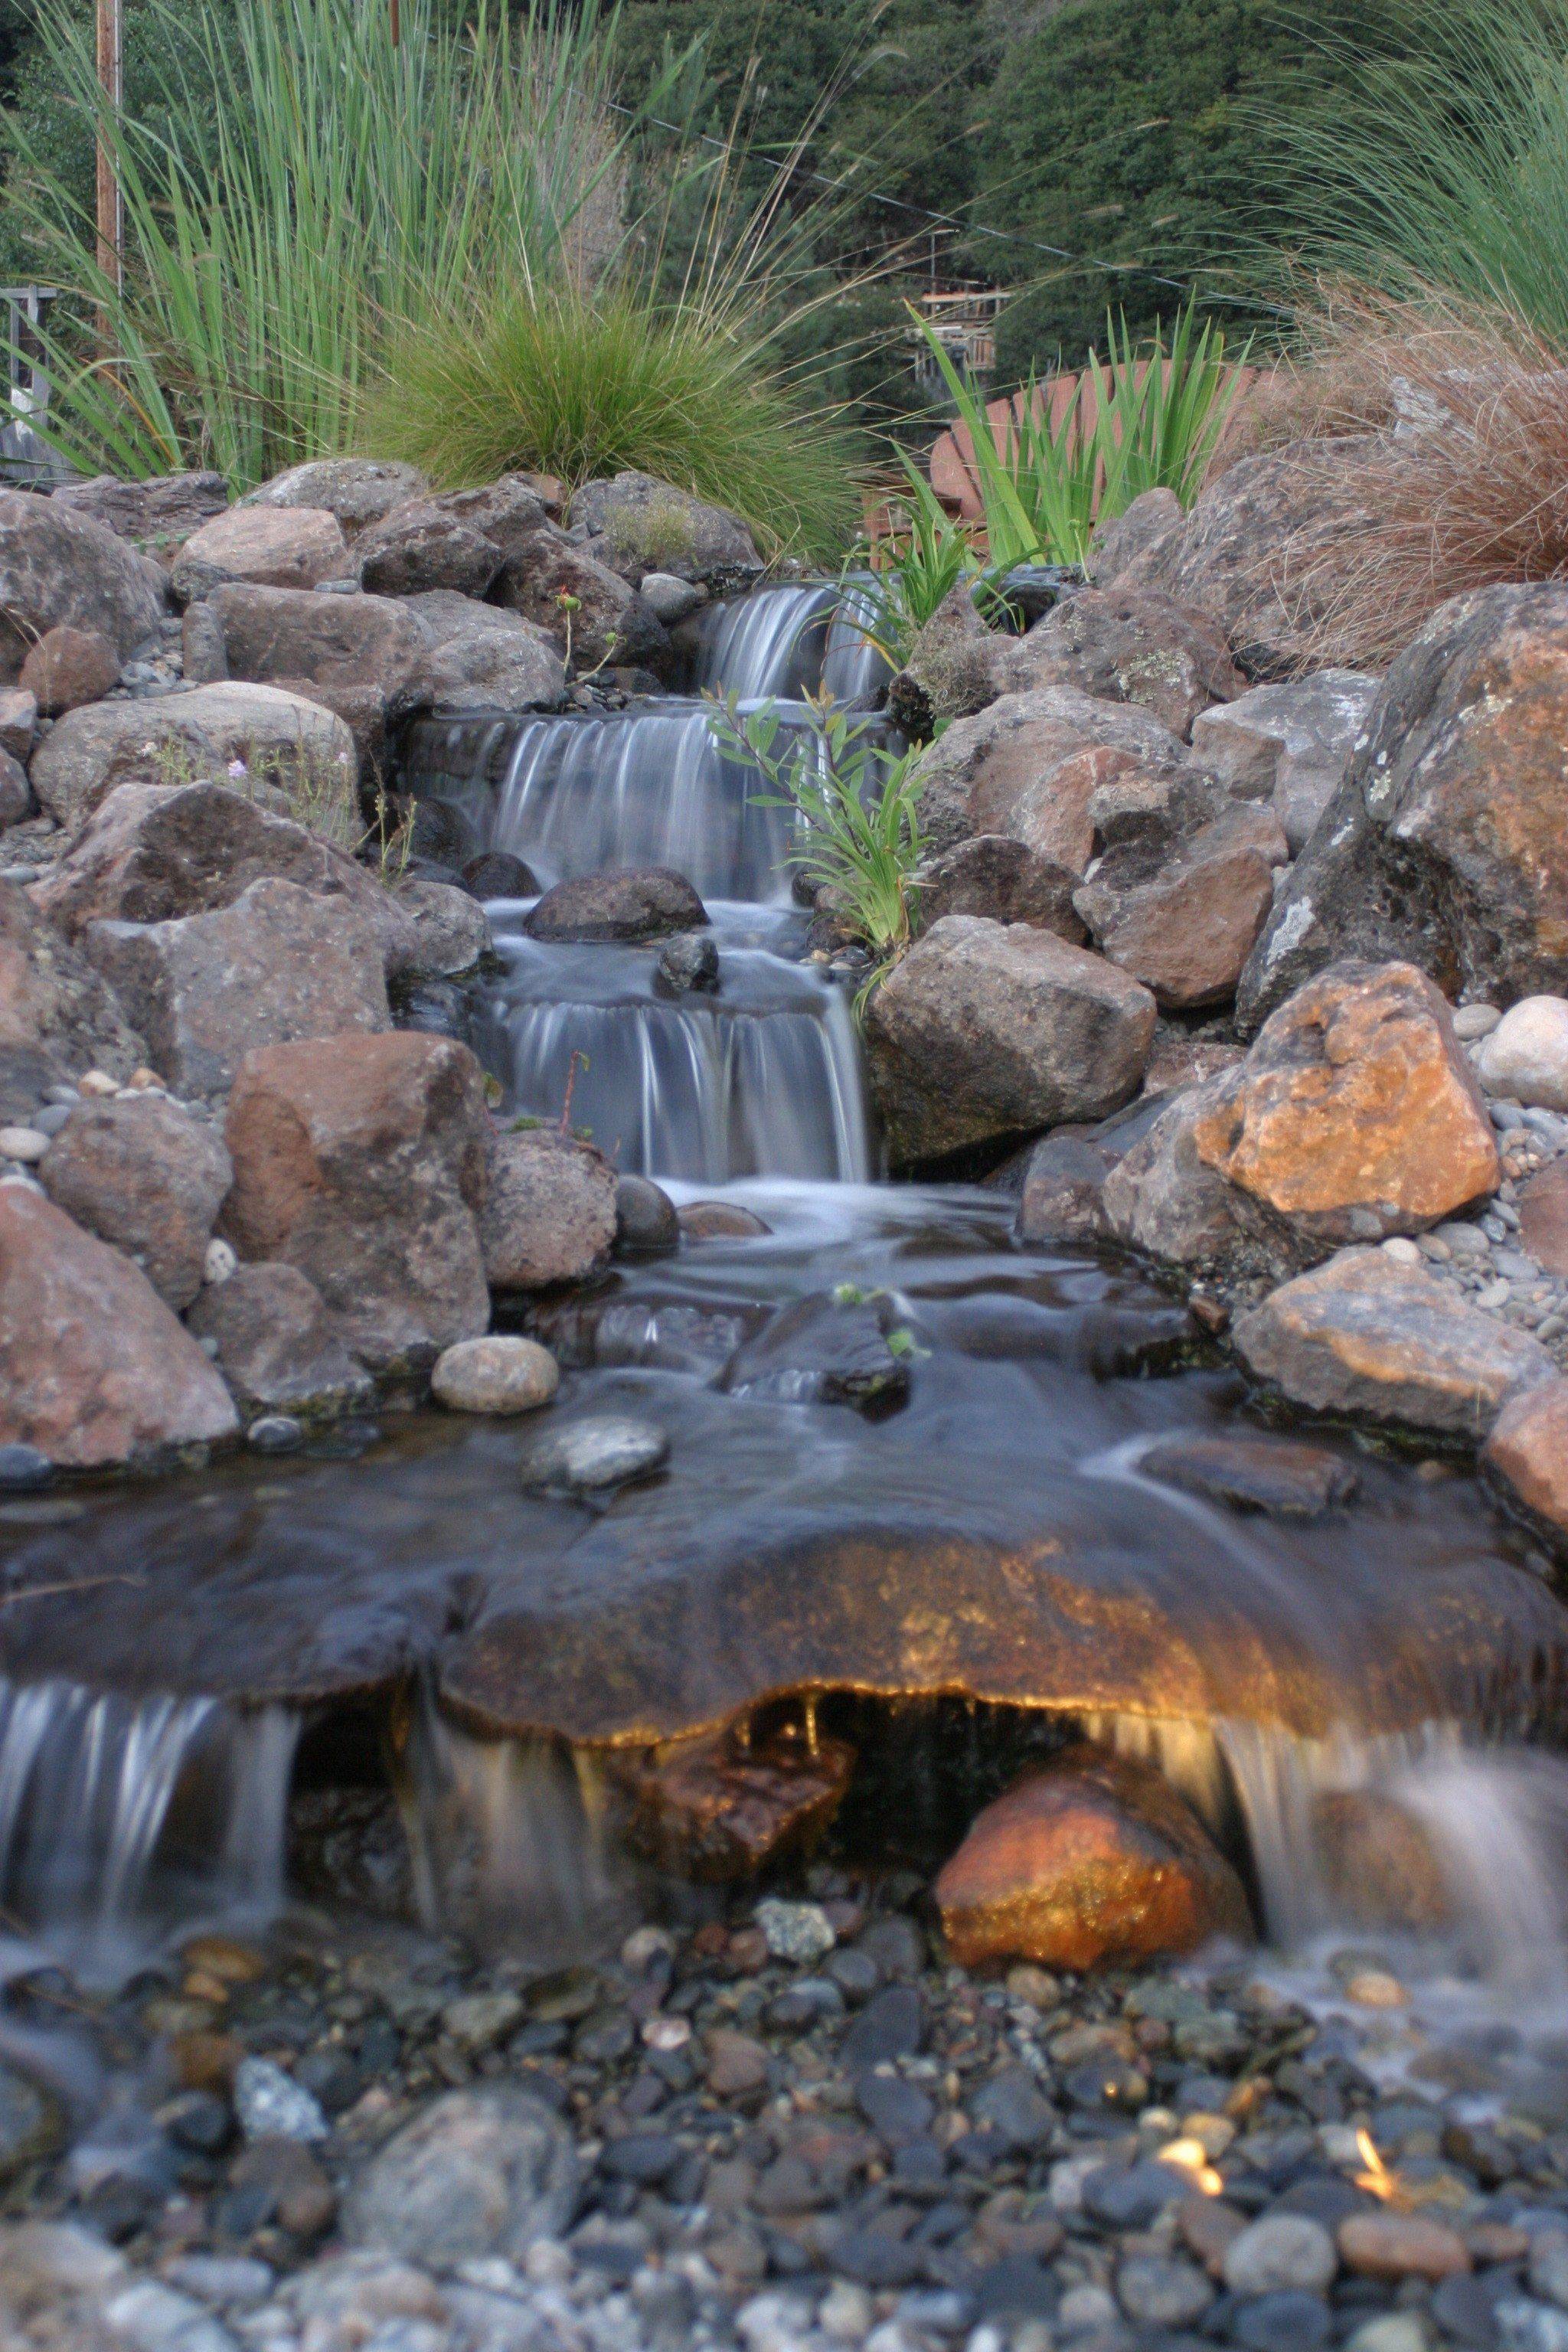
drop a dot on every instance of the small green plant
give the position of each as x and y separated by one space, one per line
1151 423
894 585
857 812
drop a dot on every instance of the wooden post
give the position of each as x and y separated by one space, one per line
110 202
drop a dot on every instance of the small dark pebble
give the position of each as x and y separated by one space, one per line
1286 2321
23 1469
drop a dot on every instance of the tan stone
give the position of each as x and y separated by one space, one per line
550 1209
1527 1454
1187 930
1400 2246
1095 1861
1544 1217
94 1369
68 667
1355 1113
361 1159
276 547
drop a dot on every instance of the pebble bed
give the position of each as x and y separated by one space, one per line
788 2131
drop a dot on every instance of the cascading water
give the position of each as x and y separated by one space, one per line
114 1811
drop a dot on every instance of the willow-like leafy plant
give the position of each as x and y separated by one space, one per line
894 584
858 831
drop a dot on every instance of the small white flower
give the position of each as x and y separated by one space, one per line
237 768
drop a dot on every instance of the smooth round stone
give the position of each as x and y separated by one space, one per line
668 598
1283 2253
28 1144
603 1449
1526 1056
1289 2321
497 874
275 1433
1475 1021
644 1216
497 1375
23 1468
219 1263
1157 2292
721 1221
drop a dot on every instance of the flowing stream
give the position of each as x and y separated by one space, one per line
1401 1650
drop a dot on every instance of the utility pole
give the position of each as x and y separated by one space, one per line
110 202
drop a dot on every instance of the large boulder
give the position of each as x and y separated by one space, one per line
1354 1116
994 874
285 548
168 738
1376 1340
1060 1181
358 491
1290 743
60 567
1114 542
273 634
639 524
94 1369
1244 552
1527 1456
280 963
140 1172
581 603
157 515
1094 1862
68 667
277 1346
479 658
457 540
550 1209
988 1031
361 1161
57 1016
1185 923
1029 764
1445 843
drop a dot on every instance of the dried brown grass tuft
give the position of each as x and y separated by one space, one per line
1460 483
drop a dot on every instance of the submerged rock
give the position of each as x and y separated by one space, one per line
986 1032
822 1350
1094 1862
481 2172
495 1375
361 1159
94 1369
1364 1336
720 1221
1280 1475
596 1451
712 1809
1377 1861
688 961
646 1220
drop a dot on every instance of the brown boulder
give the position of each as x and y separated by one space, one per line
1291 743
275 633
1028 766
1132 644
174 735
1281 1475
992 874
291 547
478 657
280 963
1445 844
94 1369
1527 1455
1364 1337
1544 1217
277 1346
710 1808
68 667
58 568
142 1173
1377 1861
1095 1862
457 540
550 1209
1115 543
1186 926
361 1159
358 491
157 515
1355 1113
53 1006
562 589
987 1030
638 904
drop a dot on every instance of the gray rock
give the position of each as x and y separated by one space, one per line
358 491
992 874
142 1174
481 2172
596 1451
18 722
647 526
1282 2253
276 635
985 1032
58 1017
1156 2292
800 1933
450 931
457 540
191 735
1114 543
1364 1336
205 990
59 567
479 658
150 2318
563 588
1290 743
550 1209
689 961
270 2105
277 1346
16 802
283 548
157 515
1063 1176
670 599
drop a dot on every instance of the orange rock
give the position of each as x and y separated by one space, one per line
715 1811
1355 1113
1527 1454
1094 1860
1401 2245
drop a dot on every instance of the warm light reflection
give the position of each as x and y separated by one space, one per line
1375 2176
1191 2156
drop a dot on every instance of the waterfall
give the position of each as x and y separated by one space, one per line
111 1807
